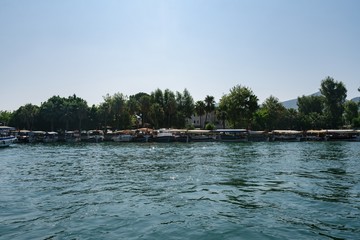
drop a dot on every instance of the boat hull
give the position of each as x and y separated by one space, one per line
164 139
7 141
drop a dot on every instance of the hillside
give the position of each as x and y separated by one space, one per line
356 99
293 102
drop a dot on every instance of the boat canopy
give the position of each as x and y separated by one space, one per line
340 131
52 133
198 131
286 132
6 128
231 130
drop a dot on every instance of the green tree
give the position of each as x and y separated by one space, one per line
67 113
118 110
188 104
5 117
351 112
94 116
200 109
260 119
335 97
221 114
133 105
311 114
81 110
133 108
291 120
209 106
158 97
27 116
185 108
274 113
170 107
310 104
240 104
156 114
103 112
179 118
51 111
145 104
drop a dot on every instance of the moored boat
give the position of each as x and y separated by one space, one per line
143 135
122 136
342 135
163 135
286 135
180 135
232 135
201 135
23 136
258 136
314 135
51 137
6 138
84 136
95 136
37 136
72 136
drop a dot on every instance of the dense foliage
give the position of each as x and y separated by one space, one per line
238 109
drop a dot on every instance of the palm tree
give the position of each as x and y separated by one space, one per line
209 106
221 114
200 109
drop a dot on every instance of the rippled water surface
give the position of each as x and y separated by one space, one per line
180 191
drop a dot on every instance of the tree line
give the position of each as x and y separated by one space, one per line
239 108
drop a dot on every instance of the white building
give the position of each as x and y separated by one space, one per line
199 121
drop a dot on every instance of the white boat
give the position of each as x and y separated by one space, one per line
286 135
314 135
84 136
232 135
258 136
72 136
122 136
143 135
180 135
50 137
342 135
201 135
6 138
23 136
163 135
95 136
36 136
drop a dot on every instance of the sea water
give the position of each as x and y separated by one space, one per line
304 190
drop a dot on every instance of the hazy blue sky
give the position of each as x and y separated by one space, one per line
280 47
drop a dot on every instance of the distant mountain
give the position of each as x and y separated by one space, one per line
293 102
357 99
290 104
